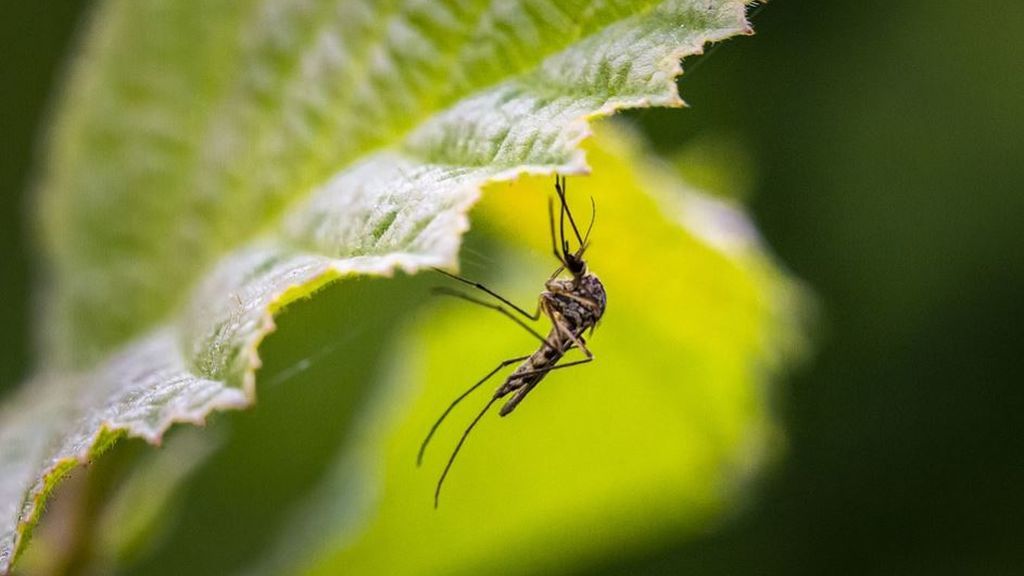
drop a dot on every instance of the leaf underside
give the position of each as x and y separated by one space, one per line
213 162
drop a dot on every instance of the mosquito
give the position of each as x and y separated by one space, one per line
573 305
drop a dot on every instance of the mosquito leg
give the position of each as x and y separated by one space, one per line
423 447
558 367
522 392
545 307
572 221
551 225
458 447
444 291
576 340
554 242
561 218
534 316
588 302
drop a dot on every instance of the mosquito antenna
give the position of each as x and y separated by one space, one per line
586 237
565 205
593 215
451 460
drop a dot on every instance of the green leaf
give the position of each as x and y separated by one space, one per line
212 162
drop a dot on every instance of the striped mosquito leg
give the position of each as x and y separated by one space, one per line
445 291
458 447
433 429
485 289
522 392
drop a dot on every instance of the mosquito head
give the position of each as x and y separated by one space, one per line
571 260
575 263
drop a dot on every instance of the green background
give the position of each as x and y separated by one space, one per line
885 143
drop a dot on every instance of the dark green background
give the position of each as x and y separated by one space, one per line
888 141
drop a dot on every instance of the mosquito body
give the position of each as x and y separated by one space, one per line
573 305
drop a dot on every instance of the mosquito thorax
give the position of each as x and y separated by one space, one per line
579 300
592 288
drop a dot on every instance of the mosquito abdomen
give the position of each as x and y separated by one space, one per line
528 374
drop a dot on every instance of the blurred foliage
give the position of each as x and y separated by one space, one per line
885 137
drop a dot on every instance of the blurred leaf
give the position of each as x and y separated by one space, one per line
654 438
136 516
322 387
717 164
214 161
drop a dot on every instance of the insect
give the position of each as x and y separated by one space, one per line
573 305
